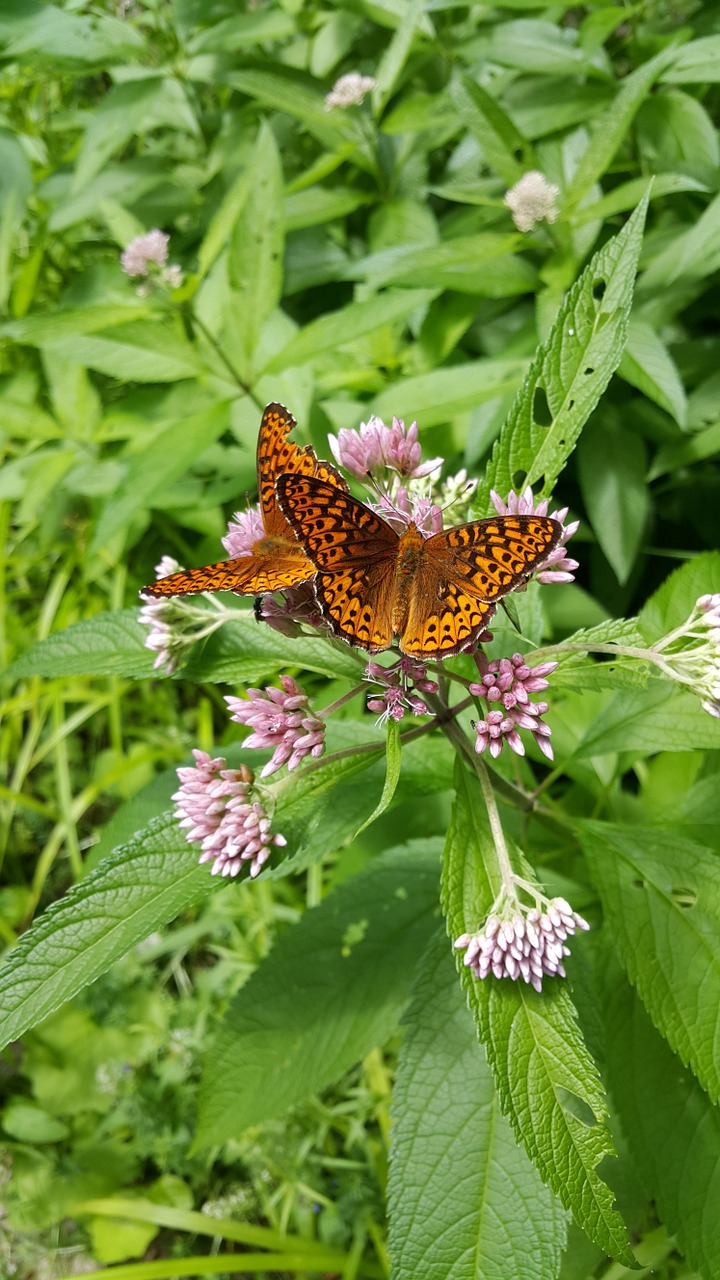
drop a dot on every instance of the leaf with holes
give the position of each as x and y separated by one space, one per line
570 371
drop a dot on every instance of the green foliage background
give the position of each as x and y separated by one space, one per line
348 263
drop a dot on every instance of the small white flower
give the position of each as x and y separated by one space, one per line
532 199
152 247
349 91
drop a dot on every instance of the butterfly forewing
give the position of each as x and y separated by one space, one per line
489 558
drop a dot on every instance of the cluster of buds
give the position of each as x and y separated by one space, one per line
217 808
519 943
509 682
691 653
282 721
399 682
377 447
147 256
175 624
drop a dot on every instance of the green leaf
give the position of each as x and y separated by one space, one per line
133 350
672 1130
674 601
440 395
690 255
298 96
611 128
223 221
393 758
505 148
346 325
128 109
570 371
661 898
534 45
110 644
481 264
245 651
648 365
464 1199
396 53
657 718
137 889
625 196
67 39
681 454
612 466
546 1079
160 464
697 62
256 250
331 989
240 31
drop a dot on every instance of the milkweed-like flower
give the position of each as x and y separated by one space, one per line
522 944
404 507
349 91
244 530
281 719
691 653
531 200
506 685
399 683
376 446
557 566
215 806
147 256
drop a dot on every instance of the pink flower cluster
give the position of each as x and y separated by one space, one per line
244 530
376 446
525 505
399 681
214 805
509 682
281 720
522 944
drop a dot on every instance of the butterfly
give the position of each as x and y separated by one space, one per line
437 594
276 561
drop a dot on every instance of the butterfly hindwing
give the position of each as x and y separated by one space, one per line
489 558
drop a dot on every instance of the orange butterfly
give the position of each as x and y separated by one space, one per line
438 593
277 560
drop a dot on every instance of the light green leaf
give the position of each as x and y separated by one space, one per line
465 1201
41 330
287 91
66 38
482 264
672 1129
546 1079
661 897
674 601
223 222
138 351
396 53
332 988
648 365
503 145
533 45
440 395
336 328
570 372
393 758
657 718
256 250
108 644
158 466
137 106
611 128
676 456
246 651
137 889
626 196
315 206
241 31
697 62
612 466
693 254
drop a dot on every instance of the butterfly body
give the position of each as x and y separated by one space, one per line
437 594
276 560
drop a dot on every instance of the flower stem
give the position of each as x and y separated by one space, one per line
455 734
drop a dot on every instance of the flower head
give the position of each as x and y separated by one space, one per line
215 806
506 685
349 91
175 623
557 565
517 942
532 199
400 683
404 508
376 446
147 256
291 610
281 719
244 530
691 653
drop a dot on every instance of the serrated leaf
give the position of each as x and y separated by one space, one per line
611 467
110 644
159 465
673 602
137 889
332 987
671 1127
464 1199
245 651
546 1079
336 328
570 371
660 896
657 718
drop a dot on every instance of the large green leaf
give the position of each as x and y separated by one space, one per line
129 109
546 1079
672 1129
336 328
465 1200
255 259
612 466
661 895
141 886
333 986
660 717
674 601
570 371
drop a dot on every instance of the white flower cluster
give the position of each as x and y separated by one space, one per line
531 200
349 91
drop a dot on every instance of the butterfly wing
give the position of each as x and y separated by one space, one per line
252 574
354 552
463 572
277 456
